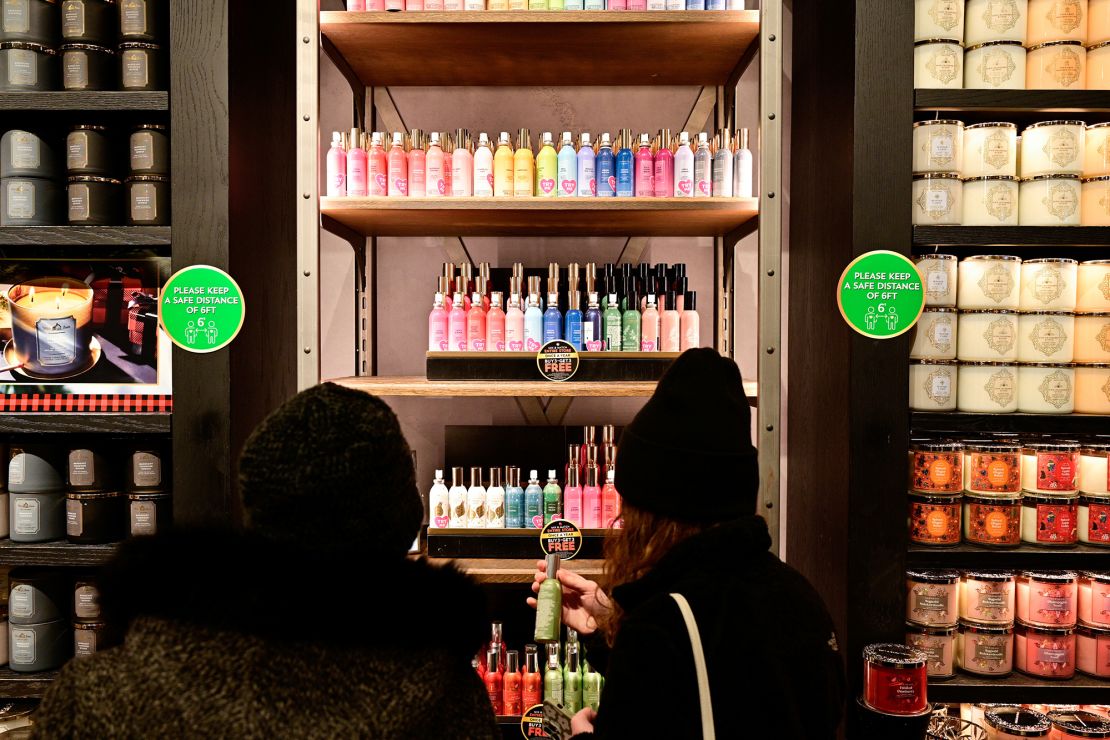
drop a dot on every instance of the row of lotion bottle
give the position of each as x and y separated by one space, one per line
471 5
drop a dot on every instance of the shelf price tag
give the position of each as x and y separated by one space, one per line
201 309
557 360
561 537
881 295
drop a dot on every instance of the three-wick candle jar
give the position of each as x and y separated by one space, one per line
939 646
938 146
1094 287
987 388
990 149
989 20
1096 157
1015 723
992 520
1050 200
1092 338
936 466
894 679
1050 467
938 18
1056 65
1051 19
992 467
938 64
1094 600
1092 651
1092 389
933 385
990 201
935 335
52 325
1046 389
995 65
1050 520
1048 284
932 597
1046 337
985 650
934 520
938 199
938 277
1048 598
987 597
1045 652
1053 148
987 335
989 282
1075 724
1094 207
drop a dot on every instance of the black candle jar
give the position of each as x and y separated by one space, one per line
140 20
150 150
86 599
148 200
88 67
89 21
90 637
95 518
90 471
89 151
144 471
94 201
142 66
31 20
151 513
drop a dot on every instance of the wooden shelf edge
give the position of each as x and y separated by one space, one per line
995 237
61 554
381 203
1019 689
368 17
85 236
517 570
50 422
1032 101
24 685
71 100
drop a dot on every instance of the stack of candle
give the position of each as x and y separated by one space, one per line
1039 45
440 165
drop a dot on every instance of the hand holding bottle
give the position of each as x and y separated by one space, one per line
584 602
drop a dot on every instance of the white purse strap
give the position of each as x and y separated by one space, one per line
708 732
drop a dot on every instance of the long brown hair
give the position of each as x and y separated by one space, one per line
631 552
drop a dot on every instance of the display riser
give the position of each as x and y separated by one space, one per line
593 366
502 543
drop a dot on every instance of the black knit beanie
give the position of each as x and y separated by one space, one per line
688 454
331 470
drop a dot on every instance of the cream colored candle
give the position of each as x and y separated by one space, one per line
1098 67
1096 155
938 64
1046 389
1057 65
989 281
938 276
1046 337
1094 475
1092 338
1094 208
1098 22
938 19
937 199
994 20
1050 200
933 385
1048 284
990 201
987 388
937 146
1092 389
989 149
996 65
1050 467
1094 287
1055 20
987 336
1052 148
935 335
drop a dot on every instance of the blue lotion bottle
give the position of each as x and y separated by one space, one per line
568 168
573 321
625 167
552 319
606 166
533 324
514 499
533 502
591 326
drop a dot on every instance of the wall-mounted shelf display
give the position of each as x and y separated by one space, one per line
1079 557
422 387
1018 689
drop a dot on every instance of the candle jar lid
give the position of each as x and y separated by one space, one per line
151 127
1080 723
92 178
957 42
1104 124
990 310
934 362
989 364
138 45
933 630
1066 42
994 43
934 576
149 496
28 46
983 178
1053 176
1053 446
923 257
147 178
1018 721
994 576
992 258
88 47
91 495
89 127
1052 576
1100 178
938 121
1095 498
1052 260
1033 499
1040 124
990 445
1026 629
892 655
936 445
1064 365
992 124
986 629
992 499
1096 448
1097 576
1097 262
937 176
947 499
939 309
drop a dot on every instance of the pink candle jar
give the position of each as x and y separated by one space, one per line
932 597
1092 651
894 679
1048 599
987 598
1094 599
985 651
939 646
1015 723
1045 652
1050 467
1075 724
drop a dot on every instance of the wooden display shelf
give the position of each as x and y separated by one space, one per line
926 237
1018 688
517 570
1008 101
59 553
970 557
72 100
502 543
418 386
24 685
85 236
522 366
961 423
380 216
542 48
81 423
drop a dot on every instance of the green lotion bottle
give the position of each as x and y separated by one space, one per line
630 324
572 682
553 676
552 502
591 688
549 605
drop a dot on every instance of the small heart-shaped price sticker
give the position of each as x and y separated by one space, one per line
547 185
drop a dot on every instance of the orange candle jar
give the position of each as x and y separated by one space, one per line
935 520
992 521
1098 21
936 467
1098 67
1056 65
992 467
1056 20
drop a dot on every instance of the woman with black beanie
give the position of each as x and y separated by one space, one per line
711 634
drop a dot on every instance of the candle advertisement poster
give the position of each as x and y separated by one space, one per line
83 335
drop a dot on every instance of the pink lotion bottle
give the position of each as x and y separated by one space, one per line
514 325
669 333
572 497
398 167
434 184
664 166
476 325
483 168
645 169
437 326
337 167
377 170
649 326
417 164
591 500
690 323
356 166
610 501
462 166
456 325
495 324
448 149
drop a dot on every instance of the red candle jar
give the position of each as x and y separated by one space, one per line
939 646
1048 599
1050 467
992 520
1092 651
1045 652
894 679
935 520
1094 599
1072 724
1050 521
985 651
932 597
987 597
1094 519
1015 723
936 467
992 467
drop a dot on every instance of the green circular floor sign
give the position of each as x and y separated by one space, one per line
201 309
881 295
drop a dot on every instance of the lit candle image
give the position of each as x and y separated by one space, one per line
51 325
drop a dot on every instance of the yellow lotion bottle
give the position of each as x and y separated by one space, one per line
524 167
503 165
547 168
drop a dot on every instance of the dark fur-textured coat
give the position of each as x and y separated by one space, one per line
230 636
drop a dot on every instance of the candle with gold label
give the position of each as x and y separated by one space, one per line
1092 338
989 149
987 336
933 385
938 19
1092 389
52 324
938 276
990 201
1046 389
1050 200
1094 207
1046 337
1096 157
995 65
995 20
937 146
989 281
1048 284
1056 65
935 335
1056 20
1052 148
938 64
937 199
1094 286
987 388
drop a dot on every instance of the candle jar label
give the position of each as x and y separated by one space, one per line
1056 389
75 70
144 517
996 150
1048 337
1062 201
17 468
1001 15
1056 472
990 652
23 646
946 13
1057 656
930 603
1056 523
1048 284
26 516
1062 147
84 642
21 602
77 150
144 202
936 283
997 283
75 523
942 147
79 202
21 199
940 334
85 604
23 68
25 150
1098 522
1065 15
146 470
73 18
133 18
938 386
995 473
996 68
994 524
944 65
57 339
135 68
1000 335
1000 202
1000 387
142 150
1066 68
17 16
935 524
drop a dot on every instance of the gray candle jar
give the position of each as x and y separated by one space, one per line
40 647
89 151
96 518
88 637
145 471
140 20
148 200
90 470
27 67
26 154
94 201
29 20
142 66
151 513
86 599
150 150
88 67
35 468
37 517
30 201
38 595
89 21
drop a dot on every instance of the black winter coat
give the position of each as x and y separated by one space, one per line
774 667
233 637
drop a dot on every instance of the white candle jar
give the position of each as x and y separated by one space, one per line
1092 389
938 64
1052 148
995 65
1046 389
1098 22
994 20
1050 200
988 282
937 146
987 388
1094 287
1046 337
987 336
1094 207
989 149
990 201
933 385
1048 284
937 199
1057 65
935 335
1092 338
938 19
1050 467
1096 154
938 276
1098 67
1094 472
1053 20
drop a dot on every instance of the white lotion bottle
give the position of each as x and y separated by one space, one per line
439 503
476 514
483 168
742 167
495 500
457 500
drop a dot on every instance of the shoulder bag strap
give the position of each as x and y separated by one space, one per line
708 731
